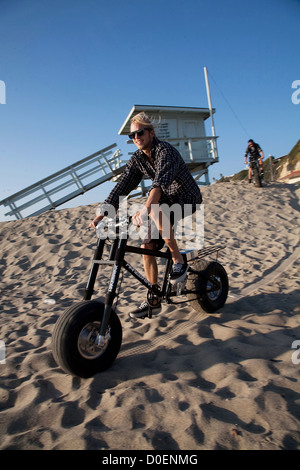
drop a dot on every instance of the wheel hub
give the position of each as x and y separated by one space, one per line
214 287
88 344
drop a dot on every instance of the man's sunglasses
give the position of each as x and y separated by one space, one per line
139 133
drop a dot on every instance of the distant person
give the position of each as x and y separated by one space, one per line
172 184
255 153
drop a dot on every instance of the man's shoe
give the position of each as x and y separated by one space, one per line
142 310
178 272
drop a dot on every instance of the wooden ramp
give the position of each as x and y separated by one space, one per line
66 184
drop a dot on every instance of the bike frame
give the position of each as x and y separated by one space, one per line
255 171
117 260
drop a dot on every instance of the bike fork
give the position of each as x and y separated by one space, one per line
118 254
94 270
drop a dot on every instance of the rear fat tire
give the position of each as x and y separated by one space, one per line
256 177
210 281
72 340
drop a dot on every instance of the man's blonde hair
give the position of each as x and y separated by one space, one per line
143 119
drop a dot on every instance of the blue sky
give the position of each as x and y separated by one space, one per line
73 69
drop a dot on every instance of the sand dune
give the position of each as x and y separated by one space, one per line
183 380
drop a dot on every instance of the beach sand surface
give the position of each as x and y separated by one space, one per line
183 380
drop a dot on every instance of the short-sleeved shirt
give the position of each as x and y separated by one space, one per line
254 152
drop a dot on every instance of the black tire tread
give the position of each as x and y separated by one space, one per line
62 344
200 301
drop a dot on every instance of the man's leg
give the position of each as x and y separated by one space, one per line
166 231
173 247
261 165
150 264
151 273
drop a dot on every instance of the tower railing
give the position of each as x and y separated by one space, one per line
66 184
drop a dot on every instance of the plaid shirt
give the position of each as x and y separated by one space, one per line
169 172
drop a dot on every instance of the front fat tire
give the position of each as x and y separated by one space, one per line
208 283
73 331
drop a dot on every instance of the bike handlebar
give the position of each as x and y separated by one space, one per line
121 224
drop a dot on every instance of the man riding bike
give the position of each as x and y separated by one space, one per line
255 153
172 184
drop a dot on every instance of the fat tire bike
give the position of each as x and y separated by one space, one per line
87 336
256 173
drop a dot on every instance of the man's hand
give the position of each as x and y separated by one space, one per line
140 217
153 200
96 221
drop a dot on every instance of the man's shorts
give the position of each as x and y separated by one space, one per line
174 216
252 161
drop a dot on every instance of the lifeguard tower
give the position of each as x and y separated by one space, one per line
184 129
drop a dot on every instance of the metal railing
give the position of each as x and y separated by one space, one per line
66 184
208 153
